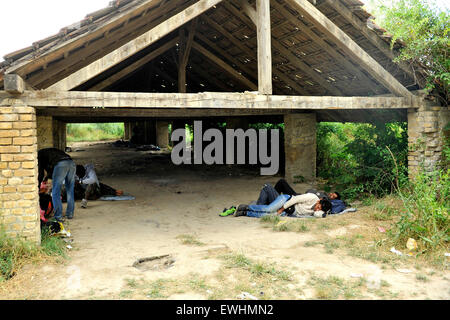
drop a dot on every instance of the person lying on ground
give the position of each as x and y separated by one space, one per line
298 206
94 189
338 205
60 167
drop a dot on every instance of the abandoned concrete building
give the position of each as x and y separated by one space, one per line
151 63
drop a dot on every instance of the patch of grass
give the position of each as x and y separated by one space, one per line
15 252
421 277
94 131
190 240
256 268
333 287
284 225
156 289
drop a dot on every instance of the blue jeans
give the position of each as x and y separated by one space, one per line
64 171
257 211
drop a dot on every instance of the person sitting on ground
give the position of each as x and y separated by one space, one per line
299 205
94 189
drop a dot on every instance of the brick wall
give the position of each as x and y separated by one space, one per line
426 136
19 205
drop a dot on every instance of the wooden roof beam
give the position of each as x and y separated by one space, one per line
128 71
224 66
247 50
293 59
332 51
327 27
134 45
204 100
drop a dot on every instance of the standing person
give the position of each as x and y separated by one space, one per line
60 166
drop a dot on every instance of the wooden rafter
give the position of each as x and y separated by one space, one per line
293 59
349 46
134 45
92 51
332 51
224 66
247 50
126 72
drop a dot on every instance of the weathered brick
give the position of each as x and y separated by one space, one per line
5 141
26 188
15 181
7 157
29 149
29 196
3 165
28 164
26 141
30 181
24 173
24 109
27 117
25 203
7 173
3 181
24 157
9 133
5 125
24 125
9 117
27 132
9 149
6 110
9 204
9 189
14 165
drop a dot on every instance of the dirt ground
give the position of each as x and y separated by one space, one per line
176 213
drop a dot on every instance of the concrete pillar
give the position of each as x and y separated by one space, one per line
162 134
45 132
19 203
59 134
426 137
300 146
127 130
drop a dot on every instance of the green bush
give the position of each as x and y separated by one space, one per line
354 158
426 206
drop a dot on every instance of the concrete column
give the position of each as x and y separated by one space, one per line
127 130
44 132
426 137
300 146
162 134
59 134
19 203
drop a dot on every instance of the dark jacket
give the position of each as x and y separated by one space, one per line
47 160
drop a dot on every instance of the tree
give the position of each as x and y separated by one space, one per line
424 28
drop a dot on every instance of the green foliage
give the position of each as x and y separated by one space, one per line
425 31
426 206
94 131
14 252
354 157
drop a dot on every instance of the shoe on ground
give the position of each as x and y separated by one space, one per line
228 212
84 203
69 217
